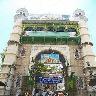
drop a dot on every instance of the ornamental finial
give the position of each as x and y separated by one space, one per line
79 15
22 11
21 14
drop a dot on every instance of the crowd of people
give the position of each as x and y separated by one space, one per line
47 92
39 92
44 92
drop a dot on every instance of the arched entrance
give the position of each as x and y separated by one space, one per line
55 61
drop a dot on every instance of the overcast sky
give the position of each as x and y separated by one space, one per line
9 7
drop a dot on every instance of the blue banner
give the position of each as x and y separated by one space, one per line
51 80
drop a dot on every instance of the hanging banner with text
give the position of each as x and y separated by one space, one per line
51 80
50 58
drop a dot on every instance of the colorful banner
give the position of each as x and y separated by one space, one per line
50 58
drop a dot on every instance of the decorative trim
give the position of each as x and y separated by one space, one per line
83 27
17 26
12 42
16 33
10 53
88 55
46 24
87 43
86 67
84 34
48 21
6 64
49 40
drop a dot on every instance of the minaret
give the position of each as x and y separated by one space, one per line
8 66
87 53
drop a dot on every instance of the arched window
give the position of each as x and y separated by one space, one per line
71 30
39 28
50 28
60 29
29 29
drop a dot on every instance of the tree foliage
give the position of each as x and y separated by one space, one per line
2 55
71 83
37 70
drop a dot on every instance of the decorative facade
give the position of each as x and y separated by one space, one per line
50 39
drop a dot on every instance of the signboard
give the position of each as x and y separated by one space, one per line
51 80
50 58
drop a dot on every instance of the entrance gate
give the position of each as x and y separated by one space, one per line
55 77
57 74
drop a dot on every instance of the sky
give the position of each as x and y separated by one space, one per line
8 10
